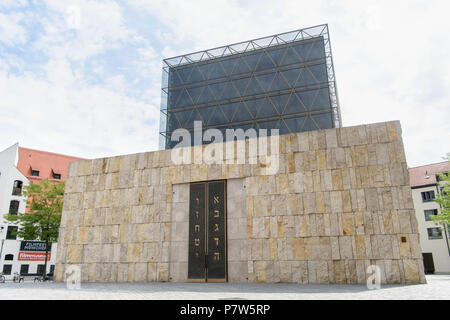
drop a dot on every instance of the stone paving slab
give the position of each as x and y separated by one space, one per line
438 288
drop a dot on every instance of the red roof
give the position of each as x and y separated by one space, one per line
46 163
426 175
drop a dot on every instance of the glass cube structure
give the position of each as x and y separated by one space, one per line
284 82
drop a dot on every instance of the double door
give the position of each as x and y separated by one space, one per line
207 232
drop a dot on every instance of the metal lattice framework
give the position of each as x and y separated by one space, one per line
190 102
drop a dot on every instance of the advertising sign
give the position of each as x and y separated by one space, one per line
33 246
33 256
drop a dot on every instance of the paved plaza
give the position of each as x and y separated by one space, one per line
438 287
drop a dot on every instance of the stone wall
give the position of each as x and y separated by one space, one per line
339 202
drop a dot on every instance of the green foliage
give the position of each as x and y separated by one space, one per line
44 203
443 198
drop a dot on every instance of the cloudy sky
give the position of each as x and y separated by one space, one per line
82 77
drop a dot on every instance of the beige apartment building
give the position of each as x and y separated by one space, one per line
434 240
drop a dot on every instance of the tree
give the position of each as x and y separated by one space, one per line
443 198
41 222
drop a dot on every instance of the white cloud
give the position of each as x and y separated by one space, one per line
11 30
8 4
66 116
62 109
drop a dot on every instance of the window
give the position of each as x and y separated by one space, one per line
434 233
14 207
11 233
24 268
428 196
9 257
7 268
35 173
57 176
430 213
40 268
17 188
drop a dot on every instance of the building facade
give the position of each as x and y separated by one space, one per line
434 239
18 168
283 82
336 202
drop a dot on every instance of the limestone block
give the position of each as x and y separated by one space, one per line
362 177
298 247
237 228
326 180
381 131
256 249
282 184
335 224
353 138
394 130
294 204
163 272
321 156
312 226
262 206
74 254
371 134
180 231
310 161
331 155
122 275
345 247
414 223
309 203
405 221
308 182
85 168
339 272
259 228
299 161
178 272
235 188
411 268
414 242
312 271
348 223
316 181
301 224
152 274
285 271
180 212
336 201
331 138
371 197
350 271
320 202
237 271
299 272
303 141
134 252
140 272
260 271
385 246
298 182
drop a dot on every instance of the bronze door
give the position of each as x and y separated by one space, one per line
207 232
